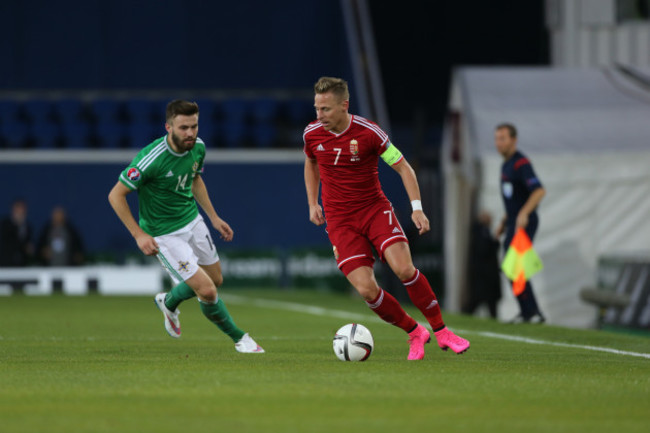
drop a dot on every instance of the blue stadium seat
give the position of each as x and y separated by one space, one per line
75 135
38 110
141 134
265 134
15 134
234 110
300 111
233 134
106 110
9 111
207 133
264 109
109 134
68 110
45 134
139 110
207 111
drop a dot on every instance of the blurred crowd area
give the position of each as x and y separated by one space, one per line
111 122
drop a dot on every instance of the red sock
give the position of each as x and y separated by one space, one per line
422 296
387 307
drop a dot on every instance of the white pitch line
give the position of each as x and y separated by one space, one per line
342 314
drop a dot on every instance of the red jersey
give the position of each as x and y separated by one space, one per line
347 163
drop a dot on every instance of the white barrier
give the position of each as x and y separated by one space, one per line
105 279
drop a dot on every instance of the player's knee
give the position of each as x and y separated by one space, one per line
404 272
207 293
368 292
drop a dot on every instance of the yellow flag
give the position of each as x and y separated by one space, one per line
521 261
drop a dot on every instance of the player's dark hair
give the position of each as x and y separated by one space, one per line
512 131
337 86
180 107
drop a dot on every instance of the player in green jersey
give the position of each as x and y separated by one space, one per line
167 176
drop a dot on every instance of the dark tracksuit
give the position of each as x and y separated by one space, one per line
518 181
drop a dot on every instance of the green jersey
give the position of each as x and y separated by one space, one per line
163 179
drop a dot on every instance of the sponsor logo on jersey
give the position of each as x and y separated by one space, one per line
195 167
183 266
133 174
336 252
320 148
169 174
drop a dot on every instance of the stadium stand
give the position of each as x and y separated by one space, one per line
78 121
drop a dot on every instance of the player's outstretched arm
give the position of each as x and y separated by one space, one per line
200 192
410 182
312 184
117 199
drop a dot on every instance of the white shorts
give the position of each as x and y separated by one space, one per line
181 252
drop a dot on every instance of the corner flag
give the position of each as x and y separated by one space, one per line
521 261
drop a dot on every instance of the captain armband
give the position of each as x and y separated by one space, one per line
391 155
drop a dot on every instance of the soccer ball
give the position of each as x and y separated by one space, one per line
353 342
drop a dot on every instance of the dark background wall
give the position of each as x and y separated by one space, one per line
169 44
250 46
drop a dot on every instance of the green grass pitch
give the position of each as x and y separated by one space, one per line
105 364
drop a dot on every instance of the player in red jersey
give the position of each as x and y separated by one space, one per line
342 152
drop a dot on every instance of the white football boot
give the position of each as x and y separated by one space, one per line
248 345
172 324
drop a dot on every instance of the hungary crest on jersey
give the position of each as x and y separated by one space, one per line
354 150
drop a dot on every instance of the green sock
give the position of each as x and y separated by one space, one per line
177 295
219 315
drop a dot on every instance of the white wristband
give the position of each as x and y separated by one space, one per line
416 205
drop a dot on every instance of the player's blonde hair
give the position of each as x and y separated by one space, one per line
180 107
337 86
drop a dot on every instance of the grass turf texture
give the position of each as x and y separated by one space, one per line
105 364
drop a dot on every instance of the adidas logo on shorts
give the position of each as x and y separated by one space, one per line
396 230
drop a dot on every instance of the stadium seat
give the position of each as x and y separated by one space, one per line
106 110
141 134
234 110
38 110
45 134
68 110
14 134
9 111
264 134
265 110
75 135
300 111
139 110
233 134
109 135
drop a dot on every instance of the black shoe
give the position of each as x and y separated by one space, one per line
536 318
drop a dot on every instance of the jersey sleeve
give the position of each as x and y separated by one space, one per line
307 148
526 173
199 170
132 176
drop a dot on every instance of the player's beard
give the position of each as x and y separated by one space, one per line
183 145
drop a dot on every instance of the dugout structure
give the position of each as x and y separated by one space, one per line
587 133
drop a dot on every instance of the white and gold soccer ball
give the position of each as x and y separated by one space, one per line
353 342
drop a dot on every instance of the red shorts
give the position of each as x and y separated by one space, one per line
353 238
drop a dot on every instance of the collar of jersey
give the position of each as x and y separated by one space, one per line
172 150
346 129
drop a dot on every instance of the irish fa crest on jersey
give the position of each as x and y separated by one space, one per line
354 150
195 168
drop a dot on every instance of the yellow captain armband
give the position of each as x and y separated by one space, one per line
391 155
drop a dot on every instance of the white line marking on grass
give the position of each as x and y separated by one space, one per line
348 315
557 344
